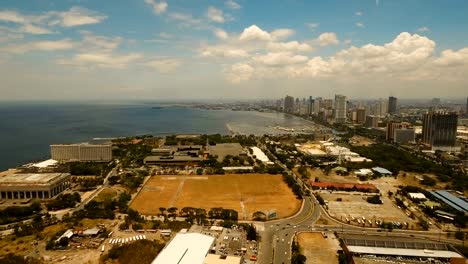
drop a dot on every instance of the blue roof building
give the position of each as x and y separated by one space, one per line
451 200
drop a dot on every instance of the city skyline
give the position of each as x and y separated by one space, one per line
173 50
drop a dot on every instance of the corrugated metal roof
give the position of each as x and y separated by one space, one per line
404 252
451 200
185 248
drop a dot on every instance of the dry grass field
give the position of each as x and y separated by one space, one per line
245 193
317 249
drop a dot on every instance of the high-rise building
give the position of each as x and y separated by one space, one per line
391 126
440 130
403 135
360 115
372 121
340 108
327 104
289 104
81 152
392 105
310 106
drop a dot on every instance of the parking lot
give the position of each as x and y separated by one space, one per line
354 209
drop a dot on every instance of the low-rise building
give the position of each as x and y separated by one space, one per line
33 185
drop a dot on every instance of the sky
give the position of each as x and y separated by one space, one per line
233 49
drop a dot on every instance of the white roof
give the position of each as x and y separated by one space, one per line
417 195
363 172
185 248
216 259
45 163
404 252
216 228
259 154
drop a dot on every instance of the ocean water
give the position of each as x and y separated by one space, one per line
27 129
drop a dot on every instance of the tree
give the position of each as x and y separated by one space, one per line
298 259
162 210
460 235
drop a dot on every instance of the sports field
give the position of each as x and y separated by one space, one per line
245 193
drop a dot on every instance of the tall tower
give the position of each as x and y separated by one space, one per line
289 104
392 105
440 129
340 108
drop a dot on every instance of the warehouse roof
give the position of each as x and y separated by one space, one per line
451 200
45 164
259 154
382 170
404 252
185 248
217 259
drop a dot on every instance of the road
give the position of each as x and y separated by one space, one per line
97 191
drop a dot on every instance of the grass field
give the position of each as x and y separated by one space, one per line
245 193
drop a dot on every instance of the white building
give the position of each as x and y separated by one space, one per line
186 248
258 153
340 108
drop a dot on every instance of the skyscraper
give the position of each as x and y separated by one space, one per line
289 104
340 108
360 115
440 130
392 105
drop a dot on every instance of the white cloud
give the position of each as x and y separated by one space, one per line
282 33
240 72
328 38
11 16
359 13
424 29
223 52
93 43
221 34
347 41
79 16
164 65
254 33
312 26
360 24
64 44
32 29
158 7
165 35
186 20
407 56
215 14
291 46
102 60
279 59
452 58
232 5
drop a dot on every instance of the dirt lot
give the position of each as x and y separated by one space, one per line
355 205
331 177
245 193
109 193
318 249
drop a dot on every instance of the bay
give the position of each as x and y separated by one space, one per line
27 129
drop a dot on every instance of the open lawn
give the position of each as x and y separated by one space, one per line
245 193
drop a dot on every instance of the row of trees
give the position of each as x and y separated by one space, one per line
62 201
291 182
17 213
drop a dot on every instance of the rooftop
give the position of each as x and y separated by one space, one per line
259 154
404 252
451 200
216 259
185 248
382 170
31 178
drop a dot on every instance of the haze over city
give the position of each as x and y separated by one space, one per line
150 49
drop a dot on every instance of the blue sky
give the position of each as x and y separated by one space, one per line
152 49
